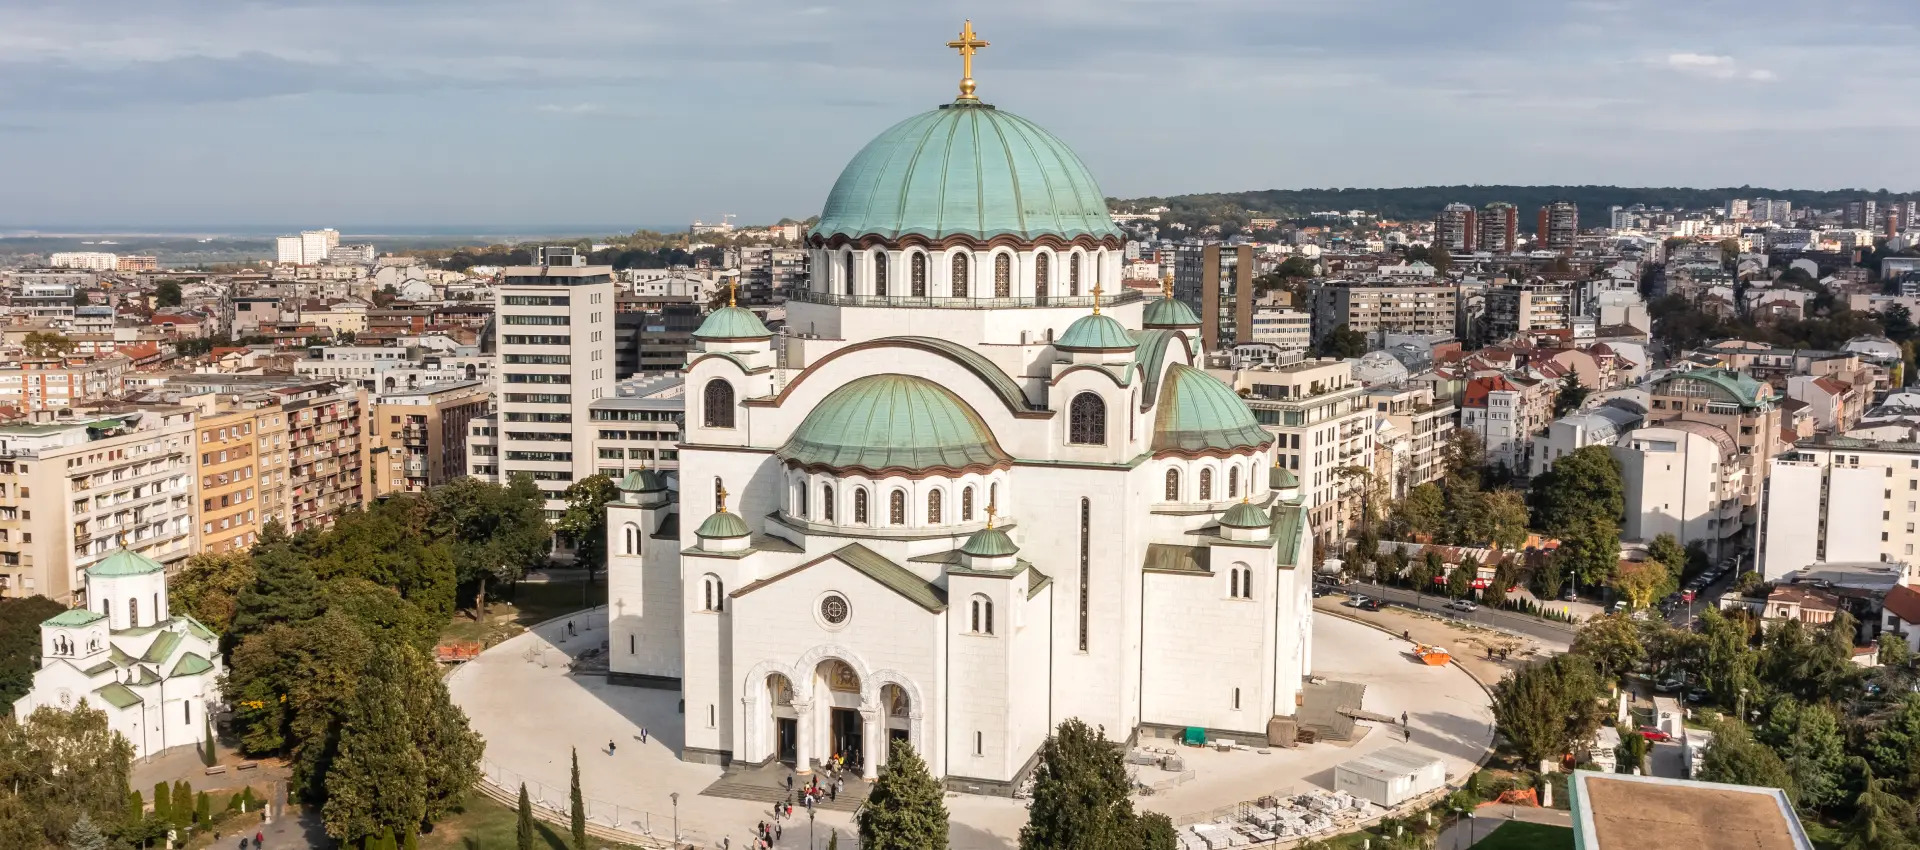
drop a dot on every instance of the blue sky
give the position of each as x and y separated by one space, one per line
496 112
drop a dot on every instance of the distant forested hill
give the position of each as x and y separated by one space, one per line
1423 202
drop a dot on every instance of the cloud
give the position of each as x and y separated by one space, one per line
1716 66
569 108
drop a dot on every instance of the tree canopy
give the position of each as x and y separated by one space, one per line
905 810
57 767
1080 798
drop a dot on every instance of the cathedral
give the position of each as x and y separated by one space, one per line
976 488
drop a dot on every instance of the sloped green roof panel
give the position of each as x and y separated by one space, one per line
196 628
1286 534
1197 413
892 423
190 664
900 579
1737 387
162 647
74 617
1096 333
966 169
118 695
121 562
1175 558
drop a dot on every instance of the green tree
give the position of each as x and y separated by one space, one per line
577 807
1893 749
1080 795
905 810
209 752
391 544
1549 578
498 532
1295 267
523 829
381 614
1592 549
1505 513
1466 459
284 588
377 782
1641 581
208 588
1423 511
20 620
1342 342
1429 567
163 802
1581 486
1612 643
1571 394
1460 581
167 294
1734 757
1632 753
1893 652
585 520
202 809
46 344
1667 550
182 803
1808 739
56 766
1545 709
1503 578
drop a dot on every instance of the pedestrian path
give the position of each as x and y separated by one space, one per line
768 784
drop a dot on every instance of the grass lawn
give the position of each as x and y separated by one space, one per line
1519 835
482 824
527 604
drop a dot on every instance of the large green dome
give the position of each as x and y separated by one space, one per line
892 423
1170 313
1096 333
1197 413
966 169
732 323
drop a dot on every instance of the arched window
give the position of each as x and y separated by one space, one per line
630 533
880 274
966 504
936 515
1002 275
1042 266
993 495
800 499
1087 420
1233 589
960 282
1236 699
897 507
1073 275
133 612
1173 485
1233 483
919 280
860 507
1206 485
982 623
826 502
846 280
714 593
719 403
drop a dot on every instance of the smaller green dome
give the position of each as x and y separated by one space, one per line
989 543
723 524
643 481
1166 312
1095 333
732 323
1245 515
124 563
1198 413
1280 478
887 423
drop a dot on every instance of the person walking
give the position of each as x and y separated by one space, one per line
609 746
643 734
776 832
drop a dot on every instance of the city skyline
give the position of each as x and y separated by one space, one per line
439 114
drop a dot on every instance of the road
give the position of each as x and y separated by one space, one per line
1533 627
1682 616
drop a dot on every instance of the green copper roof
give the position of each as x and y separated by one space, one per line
190 664
892 422
163 646
643 481
1245 515
990 543
118 695
966 169
1281 478
74 617
124 563
1169 313
1739 387
1096 332
723 524
1198 413
732 323
1286 533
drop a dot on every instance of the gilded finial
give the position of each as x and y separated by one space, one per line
967 44
733 285
991 510
1166 286
723 498
1096 299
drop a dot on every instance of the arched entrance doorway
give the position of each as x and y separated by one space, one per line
845 733
786 723
898 722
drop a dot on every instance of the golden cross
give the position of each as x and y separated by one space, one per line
1096 299
967 44
733 283
1166 286
991 510
723 498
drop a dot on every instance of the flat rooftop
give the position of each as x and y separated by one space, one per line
1616 812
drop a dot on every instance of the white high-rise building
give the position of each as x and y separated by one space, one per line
314 244
1821 504
288 250
94 260
554 335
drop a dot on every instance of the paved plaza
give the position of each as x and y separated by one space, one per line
522 697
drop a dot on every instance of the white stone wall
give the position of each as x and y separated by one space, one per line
1792 518
146 592
643 596
1203 644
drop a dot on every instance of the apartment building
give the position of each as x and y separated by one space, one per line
326 455
1455 230
653 333
1412 411
1288 330
1216 281
417 439
1559 226
555 339
73 489
1526 307
1506 412
61 383
1746 409
243 479
1498 228
1323 428
1371 308
638 426
1684 479
1840 500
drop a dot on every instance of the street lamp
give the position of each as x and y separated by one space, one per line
675 796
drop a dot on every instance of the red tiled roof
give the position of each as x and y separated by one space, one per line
1904 602
1832 386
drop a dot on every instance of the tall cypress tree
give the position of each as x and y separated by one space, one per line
1080 796
905 811
523 833
378 781
578 806
162 812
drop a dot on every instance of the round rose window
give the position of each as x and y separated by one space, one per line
833 609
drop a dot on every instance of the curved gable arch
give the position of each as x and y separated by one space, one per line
992 380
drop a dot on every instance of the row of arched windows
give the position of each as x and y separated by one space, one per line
982 609
1207 490
1240 583
936 504
960 274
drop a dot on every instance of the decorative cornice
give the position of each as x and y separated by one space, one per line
901 471
1006 240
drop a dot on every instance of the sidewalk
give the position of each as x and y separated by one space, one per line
1468 645
1486 819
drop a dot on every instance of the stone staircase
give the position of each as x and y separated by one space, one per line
768 784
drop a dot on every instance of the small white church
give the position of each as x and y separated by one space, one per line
154 674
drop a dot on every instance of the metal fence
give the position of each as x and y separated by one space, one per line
554 803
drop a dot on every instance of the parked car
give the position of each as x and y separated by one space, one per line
1369 605
1667 686
1654 734
1357 601
1466 605
1320 590
1697 695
